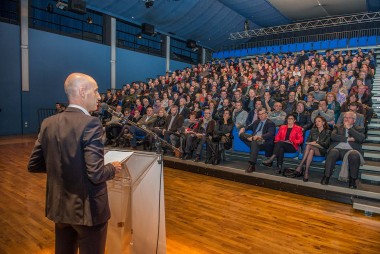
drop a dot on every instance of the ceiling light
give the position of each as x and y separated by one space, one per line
89 20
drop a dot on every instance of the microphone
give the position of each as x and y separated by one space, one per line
107 108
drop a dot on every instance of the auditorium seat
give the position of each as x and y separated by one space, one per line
333 44
307 46
285 48
325 44
276 49
317 45
362 41
372 40
238 145
342 43
293 47
353 42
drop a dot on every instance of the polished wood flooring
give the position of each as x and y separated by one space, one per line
203 215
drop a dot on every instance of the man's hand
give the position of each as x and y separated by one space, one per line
117 166
241 131
351 139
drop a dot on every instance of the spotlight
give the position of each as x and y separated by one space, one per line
89 20
139 36
61 5
149 3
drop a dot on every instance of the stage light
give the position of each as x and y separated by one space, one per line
149 3
139 36
61 5
89 20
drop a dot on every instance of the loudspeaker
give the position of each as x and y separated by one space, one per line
147 29
191 44
78 6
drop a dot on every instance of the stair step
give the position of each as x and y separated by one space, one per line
371 147
372 139
372 156
374 132
374 126
370 168
370 177
375 120
366 205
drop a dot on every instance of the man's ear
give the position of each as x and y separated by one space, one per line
82 92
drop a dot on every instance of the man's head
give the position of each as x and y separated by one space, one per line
174 110
258 105
354 106
262 114
118 109
277 106
292 96
323 105
349 118
226 102
361 89
149 111
82 90
238 105
207 114
182 102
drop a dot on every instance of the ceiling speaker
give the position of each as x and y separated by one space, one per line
78 6
147 29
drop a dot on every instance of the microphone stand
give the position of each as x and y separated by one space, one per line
158 142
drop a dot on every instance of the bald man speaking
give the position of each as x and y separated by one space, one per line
69 148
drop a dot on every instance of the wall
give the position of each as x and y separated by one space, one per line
51 58
10 79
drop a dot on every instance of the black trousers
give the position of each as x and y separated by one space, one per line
338 154
255 148
280 148
89 239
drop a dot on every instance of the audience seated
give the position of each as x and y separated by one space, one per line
307 85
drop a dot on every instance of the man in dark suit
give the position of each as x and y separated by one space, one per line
344 138
70 150
174 121
261 139
183 110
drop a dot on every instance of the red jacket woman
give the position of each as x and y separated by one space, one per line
296 135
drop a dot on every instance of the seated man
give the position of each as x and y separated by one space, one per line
277 116
146 122
353 107
346 140
186 130
113 127
239 116
197 138
262 139
173 123
322 110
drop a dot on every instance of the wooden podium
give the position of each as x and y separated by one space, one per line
136 199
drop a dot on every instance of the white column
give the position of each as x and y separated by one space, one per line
203 55
113 53
24 45
167 53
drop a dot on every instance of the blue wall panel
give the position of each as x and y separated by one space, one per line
10 79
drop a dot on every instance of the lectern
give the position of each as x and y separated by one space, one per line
136 199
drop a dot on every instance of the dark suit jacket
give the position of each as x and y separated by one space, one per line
338 135
185 112
177 123
268 133
69 148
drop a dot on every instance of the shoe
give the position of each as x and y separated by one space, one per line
325 180
187 157
294 174
250 169
305 179
267 163
352 183
197 159
216 162
207 161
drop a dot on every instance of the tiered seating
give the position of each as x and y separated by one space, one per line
297 47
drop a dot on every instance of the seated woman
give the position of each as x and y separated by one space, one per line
317 144
287 140
221 138
333 104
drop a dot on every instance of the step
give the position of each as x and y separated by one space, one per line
374 132
374 126
370 168
367 206
370 147
373 177
373 139
375 120
372 156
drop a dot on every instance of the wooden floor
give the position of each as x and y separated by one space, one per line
203 215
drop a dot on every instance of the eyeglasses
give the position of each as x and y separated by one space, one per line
348 117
